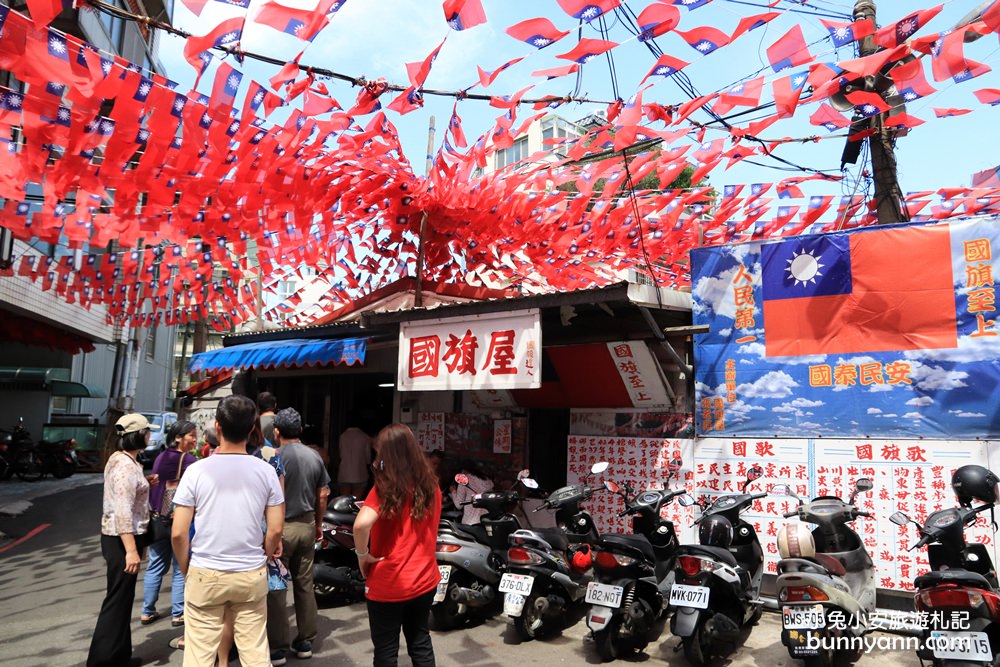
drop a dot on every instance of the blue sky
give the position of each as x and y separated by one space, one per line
375 38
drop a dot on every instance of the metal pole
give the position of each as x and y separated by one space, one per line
418 299
888 196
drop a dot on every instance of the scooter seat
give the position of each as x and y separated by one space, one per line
715 553
339 518
957 577
637 542
554 536
475 532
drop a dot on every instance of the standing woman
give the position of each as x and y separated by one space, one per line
123 527
400 516
170 465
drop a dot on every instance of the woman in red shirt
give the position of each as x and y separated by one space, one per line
401 516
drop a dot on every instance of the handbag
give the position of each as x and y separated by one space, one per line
158 528
166 508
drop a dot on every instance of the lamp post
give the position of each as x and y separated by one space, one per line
6 249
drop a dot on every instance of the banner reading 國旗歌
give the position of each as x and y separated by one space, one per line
881 332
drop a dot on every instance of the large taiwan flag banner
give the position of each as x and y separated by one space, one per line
870 291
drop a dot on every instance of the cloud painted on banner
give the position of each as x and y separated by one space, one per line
936 378
921 401
758 351
912 415
774 384
966 415
969 349
874 411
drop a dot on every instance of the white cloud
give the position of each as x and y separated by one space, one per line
875 388
969 349
935 378
714 295
912 415
921 401
966 415
874 411
774 384
889 415
805 403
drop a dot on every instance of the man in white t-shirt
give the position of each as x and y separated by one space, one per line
355 454
227 496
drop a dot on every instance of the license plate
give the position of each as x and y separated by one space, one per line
809 617
971 646
689 596
516 583
604 595
598 617
442 588
513 604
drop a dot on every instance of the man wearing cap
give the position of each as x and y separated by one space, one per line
307 485
227 495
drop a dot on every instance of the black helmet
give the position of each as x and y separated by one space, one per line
715 531
975 482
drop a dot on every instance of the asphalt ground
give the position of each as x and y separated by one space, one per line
52 578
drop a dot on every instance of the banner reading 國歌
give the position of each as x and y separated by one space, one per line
887 332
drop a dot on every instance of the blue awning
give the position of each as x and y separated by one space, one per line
293 353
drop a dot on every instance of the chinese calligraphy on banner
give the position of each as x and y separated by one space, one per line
911 477
884 332
637 368
430 431
494 351
501 436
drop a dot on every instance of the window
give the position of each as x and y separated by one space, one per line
151 343
515 153
113 26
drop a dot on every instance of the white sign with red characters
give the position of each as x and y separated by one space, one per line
501 436
912 476
494 351
637 368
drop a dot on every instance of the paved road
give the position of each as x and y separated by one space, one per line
53 585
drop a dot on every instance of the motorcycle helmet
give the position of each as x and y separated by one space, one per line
582 558
795 540
975 482
715 531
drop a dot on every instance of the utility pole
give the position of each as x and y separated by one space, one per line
888 197
418 299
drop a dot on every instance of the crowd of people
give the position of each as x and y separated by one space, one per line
237 525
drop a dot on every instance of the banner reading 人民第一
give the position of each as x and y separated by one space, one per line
887 332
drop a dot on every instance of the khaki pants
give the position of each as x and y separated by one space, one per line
207 596
297 554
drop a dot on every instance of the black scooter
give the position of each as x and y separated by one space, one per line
336 576
962 584
548 569
633 573
716 592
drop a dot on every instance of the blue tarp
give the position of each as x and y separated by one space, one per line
292 353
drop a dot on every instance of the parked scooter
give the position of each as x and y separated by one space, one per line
723 570
33 461
634 573
962 583
471 559
11 444
336 576
548 569
824 570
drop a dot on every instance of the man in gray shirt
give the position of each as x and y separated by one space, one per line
307 486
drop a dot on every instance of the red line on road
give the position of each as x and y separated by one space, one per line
34 531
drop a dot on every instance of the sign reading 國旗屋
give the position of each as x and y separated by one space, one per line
884 332
494 351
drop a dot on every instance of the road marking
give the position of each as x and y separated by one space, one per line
32 533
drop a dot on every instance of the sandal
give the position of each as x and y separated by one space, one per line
152 618
176 642
177 621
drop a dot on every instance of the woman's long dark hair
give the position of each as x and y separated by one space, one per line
402 472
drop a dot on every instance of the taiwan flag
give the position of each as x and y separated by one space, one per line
867 291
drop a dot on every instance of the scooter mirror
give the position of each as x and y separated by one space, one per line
675 465
461 479
755 473
779 490
524 474
899 518
687 500
864 484
611 486
530 483
598 467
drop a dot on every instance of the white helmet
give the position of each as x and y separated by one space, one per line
795 540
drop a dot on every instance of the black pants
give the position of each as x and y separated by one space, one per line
386 618
111 645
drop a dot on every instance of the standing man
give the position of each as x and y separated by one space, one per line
266 404
307 485
355 456
228 495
